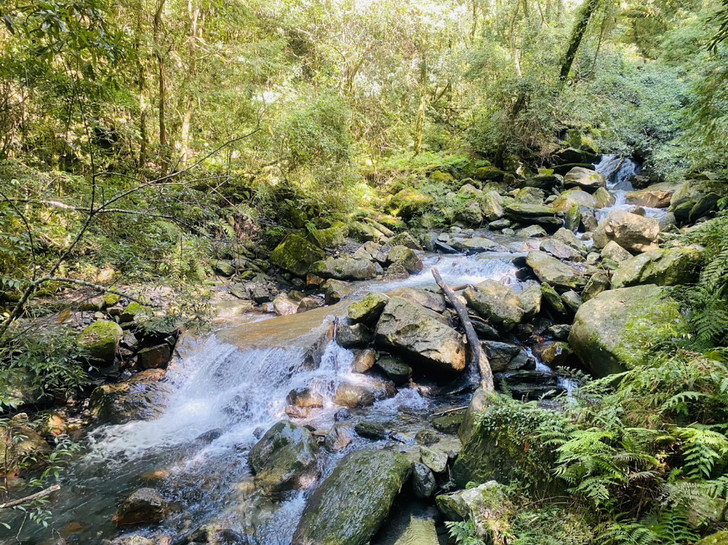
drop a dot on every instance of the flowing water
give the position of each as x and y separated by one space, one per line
227 388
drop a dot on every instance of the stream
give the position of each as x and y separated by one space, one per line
225 389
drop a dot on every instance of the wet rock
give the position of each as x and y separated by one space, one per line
532 231
507 357
284 305
336 290
213 534
353 335
423 481
584 178
309 303
632 232
144 506
553 300
479 244
407 258
557 354
371 430
139 398
344 268
339 437
128 540
296 255
425 298
284 458
305 397
354 395
495 302
612 330
351 504
419 532
395 369
368 310
420 334
101 341
405 239
154 357
364 360
530 299
551 270
560 331
19 441
426 437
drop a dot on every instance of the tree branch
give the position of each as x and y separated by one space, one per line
27 499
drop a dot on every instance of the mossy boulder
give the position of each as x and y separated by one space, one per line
489 174
101 341
409 202
354 501
344 268
664 267
367 310
395 369
131 311
584 178
695 198
612 331
496 303
574 197
285 458
720 538
422 335
407 258
331 237
296 255
491 203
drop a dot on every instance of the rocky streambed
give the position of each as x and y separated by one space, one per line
308 425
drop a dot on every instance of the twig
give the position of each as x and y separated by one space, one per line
32 497
101 288
474 345
448 411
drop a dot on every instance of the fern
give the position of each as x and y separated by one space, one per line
630 533
674 527
702 448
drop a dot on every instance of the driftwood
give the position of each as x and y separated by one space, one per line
32 497
476 352
453 410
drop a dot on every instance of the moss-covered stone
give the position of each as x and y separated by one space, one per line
131 311
612 332
296 254
407 258
409 202
139 398
551 270
367 310
101 341
344 268
352 503
720 538
330 237
110 299
489 173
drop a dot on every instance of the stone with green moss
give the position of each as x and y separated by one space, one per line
131 311
331 237
409 202
407 257
720 538
110 299
367 310
296 255
101 341
442 177
351 504
613 331
344 268
488 173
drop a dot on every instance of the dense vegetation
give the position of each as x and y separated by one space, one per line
140 141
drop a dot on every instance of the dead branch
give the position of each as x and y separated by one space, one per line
27 499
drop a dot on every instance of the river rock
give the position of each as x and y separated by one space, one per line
336 290
353 335
574 198
615 252
139 398
491 204
479 244
604 198
284 458
695 198
632 232
371 430
525 213
553 300
369 309
532 231
296 255
421 335
405 239
664 267
586 179
420 531
598 283
423 481
612 331
654 196
142 507
471 214
284 305
405 257
462 504
344 268
507 357
19 441
339 437
305 398
551 270
352 395
436 460
154 357
18 387
557 354
101 341
530 299
364 360
567 237
351 504
426 298
480 401
496 303
560 250
395 369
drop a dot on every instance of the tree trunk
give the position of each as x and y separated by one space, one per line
577 33
163 143
141 84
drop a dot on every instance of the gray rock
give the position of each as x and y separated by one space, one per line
586 179
632 232
423 481
344 268
495 302
144 506
551 270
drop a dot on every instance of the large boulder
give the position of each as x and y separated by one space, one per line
344 268
351 504
612 331
367 310
139 398
330 237
574 197
654 196
584 178
101 341
491 203
421 334
496 303
409 202
296 255
696 198
284 458
551 270
632 232
664 267
407 258
144 506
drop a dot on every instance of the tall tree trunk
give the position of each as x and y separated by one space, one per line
141 84
162 71
195 31
577 33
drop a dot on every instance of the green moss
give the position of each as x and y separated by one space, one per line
296 254
331 237
101 340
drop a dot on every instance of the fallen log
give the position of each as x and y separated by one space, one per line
478 360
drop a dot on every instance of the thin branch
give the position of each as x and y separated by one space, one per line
101 288
27 228
27 499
